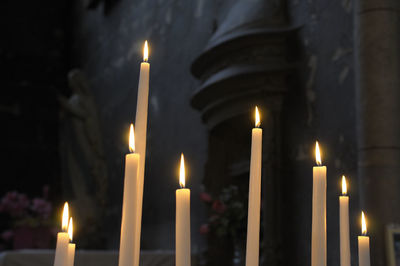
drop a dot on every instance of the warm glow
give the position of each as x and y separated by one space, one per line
317 154
145 52
344 186
70 229
132 139
363 224
182 172
257 121
65 216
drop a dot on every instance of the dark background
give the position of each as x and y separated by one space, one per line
42 42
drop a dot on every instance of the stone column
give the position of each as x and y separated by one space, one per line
378 110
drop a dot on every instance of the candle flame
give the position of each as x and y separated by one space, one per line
344 185
65 215
132 139
257 120
363 224
182 172
317 154
146 52
70 229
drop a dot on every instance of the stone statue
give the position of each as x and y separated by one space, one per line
83 162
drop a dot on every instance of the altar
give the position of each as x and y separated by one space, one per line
84 258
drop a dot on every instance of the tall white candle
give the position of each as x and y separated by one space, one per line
182 229
61 255
318 237
363 244
129 205
253 220
71 246
141 131
344 226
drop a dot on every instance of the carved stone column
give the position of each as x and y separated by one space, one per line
378 107
246 63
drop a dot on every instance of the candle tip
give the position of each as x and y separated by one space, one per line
65 216
257 120
363 224
317 154
70 229
146 52
132 139
344 185
182 172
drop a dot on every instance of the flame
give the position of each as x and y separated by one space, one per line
182 172
363 224
70 229
146 52
317 154
257 121
132 139
65 215
344 185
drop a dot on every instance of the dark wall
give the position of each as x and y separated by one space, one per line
319 105
33 66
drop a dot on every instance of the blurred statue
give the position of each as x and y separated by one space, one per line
83 163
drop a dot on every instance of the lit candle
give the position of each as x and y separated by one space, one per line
344 226
253 220
363 244
182 229
71 246
318 237
61 256
129 205
141 129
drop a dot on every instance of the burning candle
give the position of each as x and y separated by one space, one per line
318 237
71 246
363 244
141 129
61 256
253 220
129 205
182 229
344 226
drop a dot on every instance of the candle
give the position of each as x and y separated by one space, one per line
344 226
318 237
71 246
363 244
129 205
253 220
61 256
141 129
182 229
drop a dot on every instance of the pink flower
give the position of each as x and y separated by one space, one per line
7 235
205 197
219 206
204 229
41 207
14 203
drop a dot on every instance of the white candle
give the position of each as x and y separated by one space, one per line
71 246
129 205
363 244
253 220
141 129
182 229
61 255
318 237
344 226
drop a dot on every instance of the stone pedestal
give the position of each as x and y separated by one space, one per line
378 107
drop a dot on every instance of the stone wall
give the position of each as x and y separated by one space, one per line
320 104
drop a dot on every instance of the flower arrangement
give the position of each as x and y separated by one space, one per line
228 214
26 223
